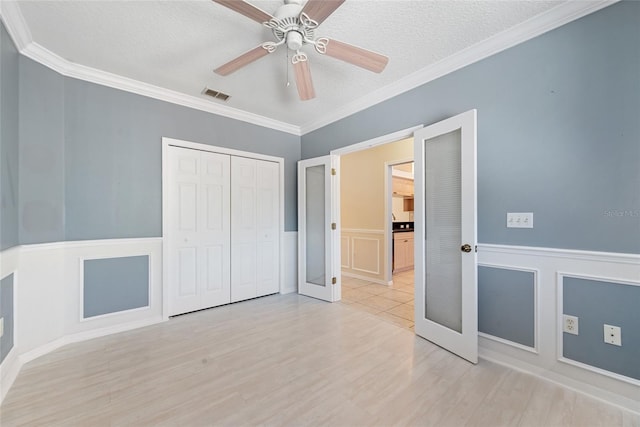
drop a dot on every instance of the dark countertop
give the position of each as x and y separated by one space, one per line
403 230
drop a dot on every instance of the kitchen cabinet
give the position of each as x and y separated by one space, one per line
402 187
403 253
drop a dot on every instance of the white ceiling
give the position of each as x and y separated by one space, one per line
176 45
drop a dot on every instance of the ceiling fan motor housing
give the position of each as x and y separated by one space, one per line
288 27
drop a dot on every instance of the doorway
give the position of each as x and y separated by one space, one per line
376 234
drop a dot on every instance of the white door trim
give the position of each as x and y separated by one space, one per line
374 142
166 142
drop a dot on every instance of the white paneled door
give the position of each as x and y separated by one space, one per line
254 227
199 218
318 228
446 301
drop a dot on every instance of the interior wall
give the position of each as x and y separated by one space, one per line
91 157
362 208
9 133
558 132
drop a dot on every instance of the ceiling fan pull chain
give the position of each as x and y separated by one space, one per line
287 65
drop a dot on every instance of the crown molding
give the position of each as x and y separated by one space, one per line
540 24
19 31
560 15
13 20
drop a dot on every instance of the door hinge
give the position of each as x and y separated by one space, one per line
476 248
334 280
333 225
333 171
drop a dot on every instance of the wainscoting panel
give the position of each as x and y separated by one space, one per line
592 279
507 305
363 254
596 302
112 285
48 297
6 313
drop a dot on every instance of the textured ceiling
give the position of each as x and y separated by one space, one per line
177 44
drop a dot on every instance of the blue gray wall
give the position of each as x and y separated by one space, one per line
506 304
91 157
113 164
9 139
111 285
558 132
41 154
6 312
597 303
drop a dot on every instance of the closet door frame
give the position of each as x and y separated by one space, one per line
166 142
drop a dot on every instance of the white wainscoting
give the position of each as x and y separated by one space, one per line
548 263
363 254
48 296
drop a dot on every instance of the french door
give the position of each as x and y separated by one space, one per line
318 225
446 301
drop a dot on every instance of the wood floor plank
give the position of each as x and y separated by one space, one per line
284 361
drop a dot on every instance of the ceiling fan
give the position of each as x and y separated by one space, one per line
294 26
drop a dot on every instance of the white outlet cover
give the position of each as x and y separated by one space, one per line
613 335
1 326
570 324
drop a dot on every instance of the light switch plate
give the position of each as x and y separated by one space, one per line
520 220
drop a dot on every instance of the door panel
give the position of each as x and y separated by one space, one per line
445 212
318 245
268 242
199 240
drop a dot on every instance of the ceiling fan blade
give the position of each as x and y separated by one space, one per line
303 80
246 9
319 10
367 59
242 60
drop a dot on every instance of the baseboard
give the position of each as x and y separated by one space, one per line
581 387
368 279
13 363
9 370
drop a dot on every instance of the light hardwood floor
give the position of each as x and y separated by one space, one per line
284 360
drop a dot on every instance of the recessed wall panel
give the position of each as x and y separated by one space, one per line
506 304
597 303
6 312
111 285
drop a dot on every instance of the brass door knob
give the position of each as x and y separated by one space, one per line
465 248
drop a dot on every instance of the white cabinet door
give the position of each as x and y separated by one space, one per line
255 248
198 238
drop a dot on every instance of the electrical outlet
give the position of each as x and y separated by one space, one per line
1 326
571 325
613 335
520 220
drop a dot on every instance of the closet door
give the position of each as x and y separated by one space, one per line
199 230
244 229
255 248
268 242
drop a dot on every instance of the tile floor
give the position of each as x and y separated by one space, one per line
391 303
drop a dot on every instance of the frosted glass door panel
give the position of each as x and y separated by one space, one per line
443 274
315 225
